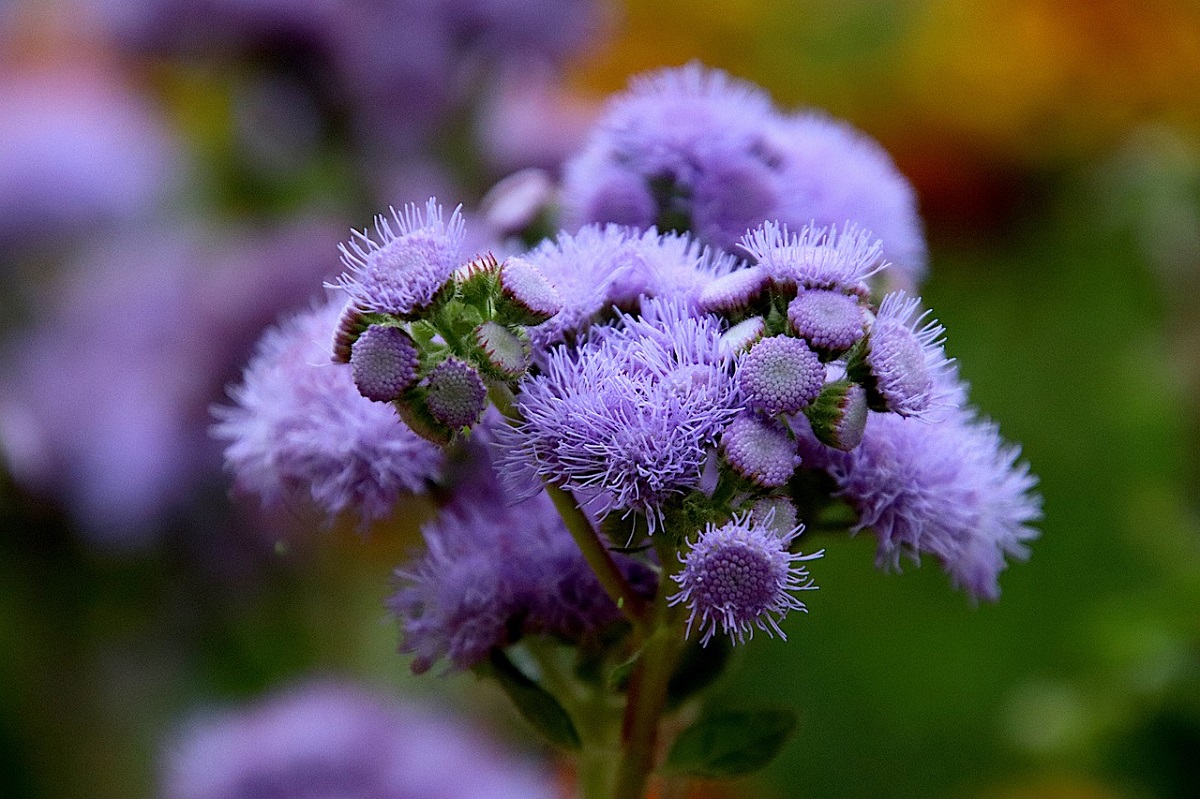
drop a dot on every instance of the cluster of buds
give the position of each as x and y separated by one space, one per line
811 343
436 362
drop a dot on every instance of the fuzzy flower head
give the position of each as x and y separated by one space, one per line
739 576
496 569
327 738
402 272
683 149
816 257
947 485
299 427
903 362
628 417
597 268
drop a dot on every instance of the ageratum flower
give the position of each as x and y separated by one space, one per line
695 149
328 738
831 172
682 149
495 571
946 485
739 576
402 272
300 428
599 267
816 257
902 363
628 417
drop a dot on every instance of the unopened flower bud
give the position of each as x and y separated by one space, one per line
830 321
780 375
350 325
742 336
760 450
456 395
528 298
839 415
735 291
384 362
505 355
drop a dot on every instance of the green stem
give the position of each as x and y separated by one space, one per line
647 697
599 558
631 605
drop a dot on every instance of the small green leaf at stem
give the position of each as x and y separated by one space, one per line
535 704
731 744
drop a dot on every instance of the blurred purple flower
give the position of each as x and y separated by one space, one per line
299 428
945 484
693 148
77 151
105 403
327 738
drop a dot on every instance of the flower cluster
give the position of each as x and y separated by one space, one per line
652 402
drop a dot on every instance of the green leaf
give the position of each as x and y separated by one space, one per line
699 668
730 744
535 704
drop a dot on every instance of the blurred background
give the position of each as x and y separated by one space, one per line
175 174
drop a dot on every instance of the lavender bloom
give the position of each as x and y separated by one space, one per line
683 147
628 418
127 445
694 149
832 172
496 571
816 257
599 267
402 272
299 427
901 364
946 485
77 151
326 738
740 576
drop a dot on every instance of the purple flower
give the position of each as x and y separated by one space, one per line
816 257
77 151
946 485
495 571
832 172
683 146
326 738
599 267
402 272
299 427
694 149
629 416
739 576
902 364
96 411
